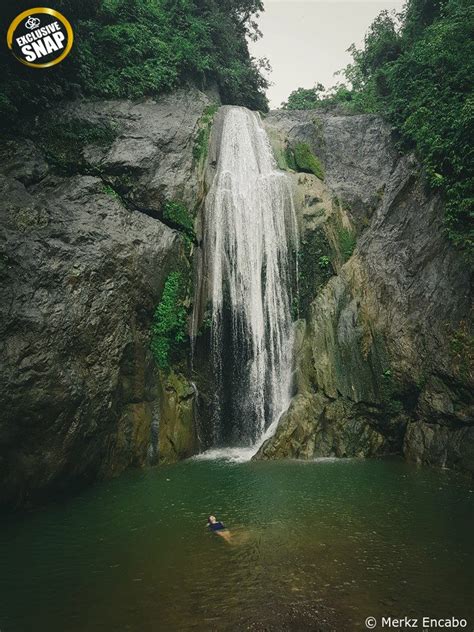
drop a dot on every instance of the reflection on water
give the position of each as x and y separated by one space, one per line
316 546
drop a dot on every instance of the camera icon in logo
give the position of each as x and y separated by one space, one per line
32 23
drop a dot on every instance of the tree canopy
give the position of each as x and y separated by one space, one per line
136 48
304 98
416 69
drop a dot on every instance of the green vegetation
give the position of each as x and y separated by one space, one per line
416 69
169 329
289 159
63 142
110 191
304 98
136 48
347 242
314 268
306 161
394 406
301 158
178 215
280 158
324 262
201 142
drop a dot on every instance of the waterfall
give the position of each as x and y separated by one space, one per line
249 234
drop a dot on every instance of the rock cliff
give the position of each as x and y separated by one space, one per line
85 249
384 355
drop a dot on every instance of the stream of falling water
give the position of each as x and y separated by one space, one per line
250 233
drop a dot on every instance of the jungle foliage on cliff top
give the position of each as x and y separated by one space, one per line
136 48
416 69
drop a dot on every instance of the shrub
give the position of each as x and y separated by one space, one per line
289 159
304 98
169 329
347 242
324 262
416 69
314 269
136 48
179 217
201 142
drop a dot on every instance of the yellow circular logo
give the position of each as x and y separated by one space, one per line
40 37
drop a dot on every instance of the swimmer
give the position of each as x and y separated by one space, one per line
218 527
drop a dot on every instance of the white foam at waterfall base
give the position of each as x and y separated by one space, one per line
234 455
239 454
250 230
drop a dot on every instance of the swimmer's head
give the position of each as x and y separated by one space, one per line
211 519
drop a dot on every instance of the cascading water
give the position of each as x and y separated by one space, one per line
249 232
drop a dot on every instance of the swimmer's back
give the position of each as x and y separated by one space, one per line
216 526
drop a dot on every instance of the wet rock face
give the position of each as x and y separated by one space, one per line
177 428
151 159
81 273
357 152
386 364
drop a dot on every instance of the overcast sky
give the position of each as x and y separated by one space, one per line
306 41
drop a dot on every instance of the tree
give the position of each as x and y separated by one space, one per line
136 48
304 98
416 69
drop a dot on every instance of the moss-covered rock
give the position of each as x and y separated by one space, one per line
315 426
177 433
133 436
314 267
387 362
299 157
306 161
201 140
63 142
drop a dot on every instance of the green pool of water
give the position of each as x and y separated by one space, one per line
318 545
